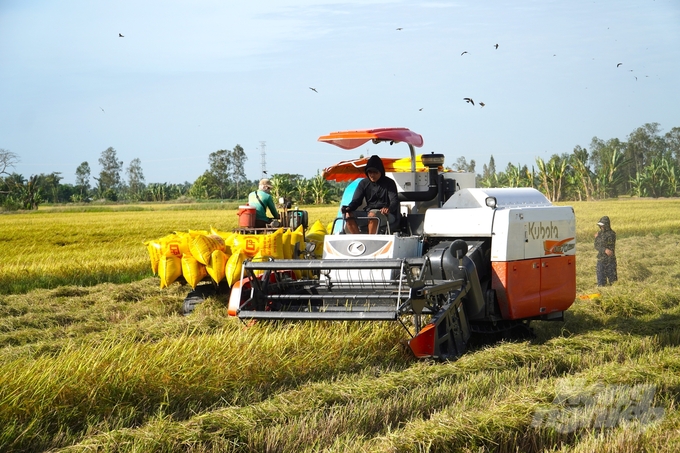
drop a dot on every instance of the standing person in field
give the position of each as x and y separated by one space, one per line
262 200
605 244
382 202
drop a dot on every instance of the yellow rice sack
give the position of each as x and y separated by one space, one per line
218 266
192 270
315 236
272 245
317 227
228 237
287 247
169 269
318 251
230 243
247 243
174 244
218 232
234 264
202 246
155 253
297 237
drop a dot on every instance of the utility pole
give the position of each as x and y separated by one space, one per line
263 158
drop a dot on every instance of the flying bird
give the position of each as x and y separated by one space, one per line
619 65
120 35
421 109
399 28
469 101
313 89
463 53
482 104
102 109
496 46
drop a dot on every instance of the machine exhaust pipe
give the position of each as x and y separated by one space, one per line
432 161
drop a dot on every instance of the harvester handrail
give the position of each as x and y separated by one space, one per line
334 296
360 221
385 263
323 316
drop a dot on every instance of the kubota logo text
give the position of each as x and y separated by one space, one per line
539 230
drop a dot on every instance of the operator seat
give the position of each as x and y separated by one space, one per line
362 223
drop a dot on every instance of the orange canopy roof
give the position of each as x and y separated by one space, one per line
354 139
349 170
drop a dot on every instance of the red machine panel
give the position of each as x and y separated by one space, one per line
534 287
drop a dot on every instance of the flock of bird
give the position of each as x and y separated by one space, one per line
468 100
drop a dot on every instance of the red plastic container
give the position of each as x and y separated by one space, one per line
246 216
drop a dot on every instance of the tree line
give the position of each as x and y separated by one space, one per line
224 179
647 164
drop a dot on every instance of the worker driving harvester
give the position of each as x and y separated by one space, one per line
467 260
382 202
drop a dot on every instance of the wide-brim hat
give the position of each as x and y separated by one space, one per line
265 184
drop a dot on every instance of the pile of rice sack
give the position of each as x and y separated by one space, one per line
196 255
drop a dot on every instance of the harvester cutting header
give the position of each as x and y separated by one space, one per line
462 260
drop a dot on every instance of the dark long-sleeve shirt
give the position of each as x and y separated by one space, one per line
605 239
378 195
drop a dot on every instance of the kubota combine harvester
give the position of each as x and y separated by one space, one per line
465 260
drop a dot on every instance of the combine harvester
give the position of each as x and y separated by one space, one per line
465 260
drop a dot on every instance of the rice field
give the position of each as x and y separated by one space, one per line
95 357
48 249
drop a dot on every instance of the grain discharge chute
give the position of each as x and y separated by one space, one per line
465 260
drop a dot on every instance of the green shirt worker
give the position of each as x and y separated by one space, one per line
262 200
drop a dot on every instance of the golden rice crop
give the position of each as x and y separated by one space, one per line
630 216
116 368
50 249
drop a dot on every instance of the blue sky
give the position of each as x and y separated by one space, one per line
191 77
